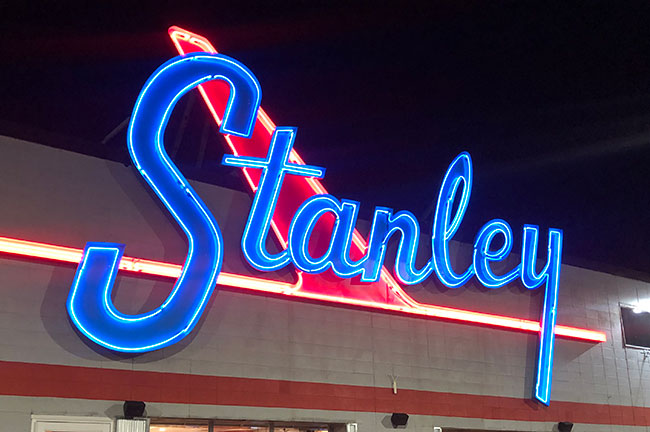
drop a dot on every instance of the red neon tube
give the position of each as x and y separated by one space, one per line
156 268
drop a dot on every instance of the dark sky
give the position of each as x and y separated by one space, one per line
551 100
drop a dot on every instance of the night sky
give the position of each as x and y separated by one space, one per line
551 100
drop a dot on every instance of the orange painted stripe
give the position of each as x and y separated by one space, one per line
42 380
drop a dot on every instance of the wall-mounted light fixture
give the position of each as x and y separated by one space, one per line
399 419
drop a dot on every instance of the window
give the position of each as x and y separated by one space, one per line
179 425
636 326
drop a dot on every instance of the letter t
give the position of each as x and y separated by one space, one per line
274 168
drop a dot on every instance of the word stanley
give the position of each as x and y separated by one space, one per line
89 303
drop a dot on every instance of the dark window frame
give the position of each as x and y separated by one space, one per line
623 333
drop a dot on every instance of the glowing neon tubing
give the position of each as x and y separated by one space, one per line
188 42
274 169
139 266
89 304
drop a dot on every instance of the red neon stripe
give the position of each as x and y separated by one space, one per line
43 380
157 268
137 265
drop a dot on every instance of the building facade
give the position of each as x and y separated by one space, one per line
266 362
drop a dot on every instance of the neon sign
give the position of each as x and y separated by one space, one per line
89 303
290 202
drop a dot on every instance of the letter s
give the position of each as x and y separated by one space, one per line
89 303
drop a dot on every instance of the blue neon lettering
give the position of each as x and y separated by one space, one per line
274 168
342 264
444 225
89 303
483 255
550 275
384 225
303 224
